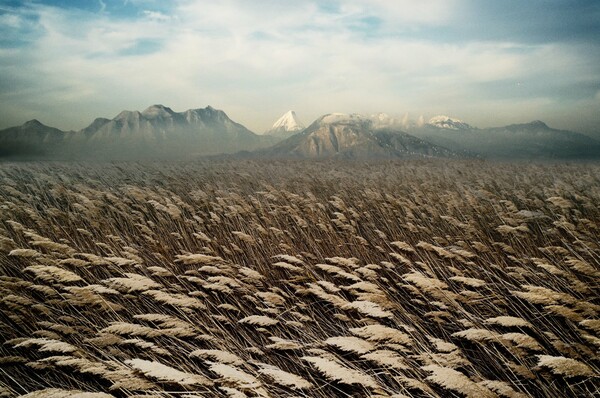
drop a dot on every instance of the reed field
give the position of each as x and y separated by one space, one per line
297 279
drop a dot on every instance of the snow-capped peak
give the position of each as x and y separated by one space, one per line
288 122
447 122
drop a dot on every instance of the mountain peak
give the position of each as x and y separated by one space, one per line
33 122
219 113
158 111
289 122
208 110
538 123
449 123
125 115
535 125
345 118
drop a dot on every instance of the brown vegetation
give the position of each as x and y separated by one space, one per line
417 278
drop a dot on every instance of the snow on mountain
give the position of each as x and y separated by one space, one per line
286 125
449 123
158 132
352 136
341 118
376 120
289 121
156 111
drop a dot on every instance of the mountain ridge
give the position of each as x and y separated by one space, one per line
351 136
159 132
532 140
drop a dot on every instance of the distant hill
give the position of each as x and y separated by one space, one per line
32 140
352 137
156 133
533 140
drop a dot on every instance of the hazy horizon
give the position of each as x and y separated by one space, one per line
66 62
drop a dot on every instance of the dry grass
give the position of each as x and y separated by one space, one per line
236 279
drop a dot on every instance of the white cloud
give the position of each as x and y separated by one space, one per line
427 12
11 21
156 16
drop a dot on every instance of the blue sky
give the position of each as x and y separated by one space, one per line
489 63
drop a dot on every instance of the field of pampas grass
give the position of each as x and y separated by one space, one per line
275 279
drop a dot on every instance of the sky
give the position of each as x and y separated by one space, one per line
490 63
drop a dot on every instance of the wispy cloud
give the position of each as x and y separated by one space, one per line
156 15
67 65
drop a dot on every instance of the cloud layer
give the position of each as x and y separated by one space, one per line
489 64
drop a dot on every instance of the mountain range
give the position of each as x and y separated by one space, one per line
155 133
349 137
533 140
158 132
